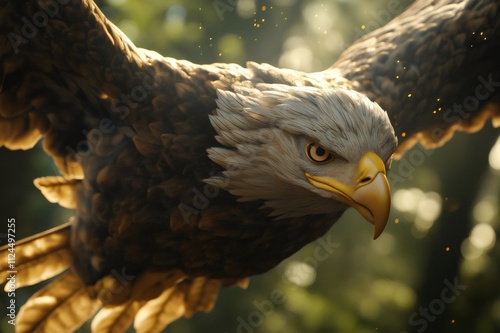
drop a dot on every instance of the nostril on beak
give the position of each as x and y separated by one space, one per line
365 180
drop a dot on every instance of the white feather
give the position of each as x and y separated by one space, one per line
265 131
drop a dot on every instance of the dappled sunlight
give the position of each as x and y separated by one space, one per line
482 237
429 208
175 20
129 28
406 200
392 291
485 211
246 8
494 156
471 267
369 307
320 16
300 273
423 208
296 55
475 248
386 245
495 310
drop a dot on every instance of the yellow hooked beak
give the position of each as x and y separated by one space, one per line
370 196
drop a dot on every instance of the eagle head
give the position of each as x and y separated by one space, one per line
304 150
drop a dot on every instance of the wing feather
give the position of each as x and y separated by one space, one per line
62 306
39 257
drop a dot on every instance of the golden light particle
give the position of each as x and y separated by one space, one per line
220 54
409 95
263 20
403 134
396 221
397 76
434 112
453 321
438 100
363 27
264 8
447 249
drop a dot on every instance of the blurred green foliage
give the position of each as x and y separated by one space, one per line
354 284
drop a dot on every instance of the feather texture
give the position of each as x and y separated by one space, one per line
58 190
62 306
40 257
199 181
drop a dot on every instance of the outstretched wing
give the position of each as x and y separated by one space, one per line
61 65
435 69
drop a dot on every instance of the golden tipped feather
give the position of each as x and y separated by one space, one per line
39 257
62 306
59 190
161 311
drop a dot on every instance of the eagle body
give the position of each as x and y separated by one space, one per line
186 178
157 191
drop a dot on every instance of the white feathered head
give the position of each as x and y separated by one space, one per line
304 150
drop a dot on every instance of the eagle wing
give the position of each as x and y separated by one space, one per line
61 64
64 71
434 68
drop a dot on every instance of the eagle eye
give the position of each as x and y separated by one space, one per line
317 154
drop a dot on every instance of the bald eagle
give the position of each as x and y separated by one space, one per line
187 178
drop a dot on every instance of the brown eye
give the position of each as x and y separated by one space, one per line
318 154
